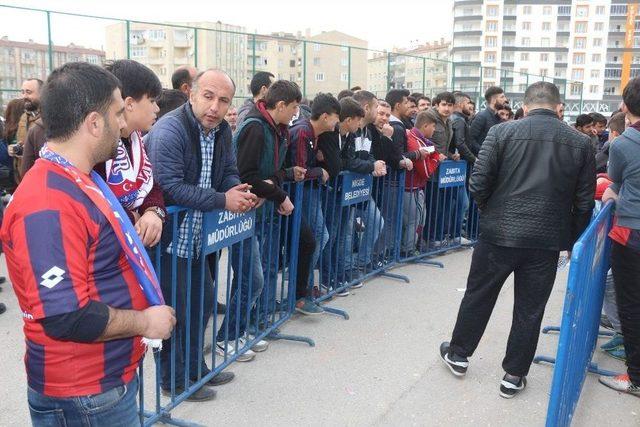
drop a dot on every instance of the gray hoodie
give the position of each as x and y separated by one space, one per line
624 171
243 110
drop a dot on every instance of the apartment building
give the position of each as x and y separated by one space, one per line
589 48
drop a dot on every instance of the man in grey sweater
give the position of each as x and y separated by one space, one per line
624 171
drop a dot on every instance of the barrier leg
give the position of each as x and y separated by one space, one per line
166 418
593 366
402 277
601 333
276 335
336 311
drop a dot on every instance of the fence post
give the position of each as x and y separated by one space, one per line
479 90
388 71
50 48
128 39
349 68
253 56
195 47
304 68
424 75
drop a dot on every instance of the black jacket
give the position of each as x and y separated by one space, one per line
534 182
461 137
331 143
482 122
384 149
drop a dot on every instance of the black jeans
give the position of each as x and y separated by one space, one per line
306 247
625 265
535 273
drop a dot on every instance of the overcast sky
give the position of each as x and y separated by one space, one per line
383 23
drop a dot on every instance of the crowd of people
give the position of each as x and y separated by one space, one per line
533 180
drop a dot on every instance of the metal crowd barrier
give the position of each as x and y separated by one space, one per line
434 214
580 319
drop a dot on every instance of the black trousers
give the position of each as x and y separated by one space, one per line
306 246
625 265
491 265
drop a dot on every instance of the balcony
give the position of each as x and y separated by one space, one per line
156 60
181 43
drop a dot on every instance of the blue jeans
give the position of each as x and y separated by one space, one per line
387 199
445 212
246 287
339 222
373 226
193 337
114 408
312 211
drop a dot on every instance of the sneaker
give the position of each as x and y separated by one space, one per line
621 383
344 292
203 394
605 322
258 347
465 241
3 308
614 342
307 307
512 385
357 285
247 356
617 353
318 292
457 365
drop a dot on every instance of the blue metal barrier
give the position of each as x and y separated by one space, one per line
441 207
580 319
191 281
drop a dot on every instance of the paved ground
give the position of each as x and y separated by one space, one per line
378 368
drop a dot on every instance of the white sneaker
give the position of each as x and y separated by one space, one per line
465 241
259 346
247 356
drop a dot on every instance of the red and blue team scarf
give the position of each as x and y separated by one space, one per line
103 198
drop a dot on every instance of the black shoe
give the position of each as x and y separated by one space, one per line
512 385
457 365
605 322
3 308
221 379
203 394
222 309
2 279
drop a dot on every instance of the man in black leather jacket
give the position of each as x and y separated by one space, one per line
534 183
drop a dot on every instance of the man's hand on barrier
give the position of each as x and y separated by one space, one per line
406 164
299 173
238 199
285 207
387 130
325 176
442 157
379 168
159 321
149 228
259 202
609 194
456 156
424 153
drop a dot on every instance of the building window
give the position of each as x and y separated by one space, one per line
546 10
595 74
524 71
597 42
581 27
526 41
578 58
490 57
157 35
564 10
492 26
596 57
316 61
619 9
594 88
524 56
344 62
544 72
292 63
582 11
576 89
600 10
317 47
138 52
319 77
490 73
490 41
546 26
492 10
580 42
598 26
344 77
526 26
526 10
544 57
545 42
577 74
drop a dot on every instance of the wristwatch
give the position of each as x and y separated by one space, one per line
158 211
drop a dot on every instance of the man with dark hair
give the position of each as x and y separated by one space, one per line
424 103
584 125
344 93
129 173
461 127
443 135
182 79
260 83
194 163
261 142
304 151
561 111
600 128
624 171
232 118
31 94
169 100
524 223
484 120
84 310
413 110
399 102
617 125
355 89
472 112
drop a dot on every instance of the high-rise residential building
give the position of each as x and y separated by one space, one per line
423 68
590 48
23 60
163 48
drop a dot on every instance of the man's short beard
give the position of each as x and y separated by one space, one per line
31 106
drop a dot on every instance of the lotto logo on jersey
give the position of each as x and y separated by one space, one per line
52 277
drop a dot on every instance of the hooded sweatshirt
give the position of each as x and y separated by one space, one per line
624 171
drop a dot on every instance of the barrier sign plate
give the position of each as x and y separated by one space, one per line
452 174
222 228
356 188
